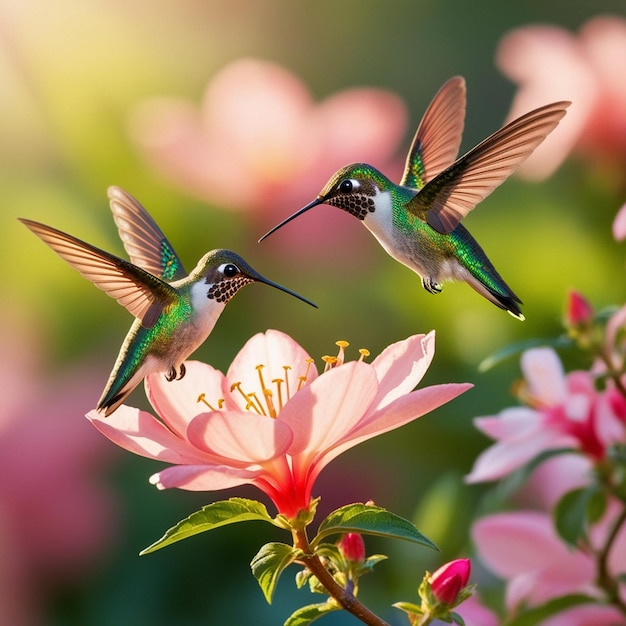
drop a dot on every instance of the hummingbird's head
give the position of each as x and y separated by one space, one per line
223 273
353 188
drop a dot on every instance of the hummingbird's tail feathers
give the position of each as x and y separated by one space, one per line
497 292
121 383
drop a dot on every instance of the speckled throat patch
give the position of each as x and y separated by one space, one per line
357 205
224 290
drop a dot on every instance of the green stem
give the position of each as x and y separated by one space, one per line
605 580
344 597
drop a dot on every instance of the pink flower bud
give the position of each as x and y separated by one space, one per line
352 547
578 310
448 581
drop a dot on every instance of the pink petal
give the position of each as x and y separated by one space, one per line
511 544
322 412
275 351
177 401
401 366
543 372
380 116
504 457
475 614
593 614
240 437
510 423
202 477
400 412
549 65
141 433
619 224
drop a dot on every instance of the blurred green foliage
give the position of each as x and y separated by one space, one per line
72 72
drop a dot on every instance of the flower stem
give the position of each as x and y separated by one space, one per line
605 580
343 596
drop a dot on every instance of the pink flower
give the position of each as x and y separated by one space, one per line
562 411
523 548
448 581
260 143
56 517
550 63
272 421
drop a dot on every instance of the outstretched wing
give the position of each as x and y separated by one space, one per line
141 293
438 138
450 196
143 240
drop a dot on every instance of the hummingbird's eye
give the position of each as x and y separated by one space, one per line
345 186
230 270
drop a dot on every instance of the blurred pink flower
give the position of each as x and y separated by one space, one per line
272 421
550 63
56 518
474 613
619 224
563 411
523 548
578 310
259 143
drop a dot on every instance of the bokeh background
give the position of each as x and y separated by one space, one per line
98 93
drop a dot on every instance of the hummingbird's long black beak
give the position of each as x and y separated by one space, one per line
271 283
304 209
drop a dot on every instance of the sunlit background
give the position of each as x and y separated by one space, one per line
222 119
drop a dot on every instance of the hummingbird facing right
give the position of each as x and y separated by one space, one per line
418 221
174 312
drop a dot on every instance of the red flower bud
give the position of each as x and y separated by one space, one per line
447 582
578 310
352 547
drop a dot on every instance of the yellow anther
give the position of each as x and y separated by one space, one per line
364 352
342 344
255 404
331 361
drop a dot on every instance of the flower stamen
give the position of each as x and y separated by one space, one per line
267 393
247 397
364 352
202 398
341 355
278 382
286 368
302 379
331 361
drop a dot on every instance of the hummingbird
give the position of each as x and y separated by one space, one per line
174 311
418 221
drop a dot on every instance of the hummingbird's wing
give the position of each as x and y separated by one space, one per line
141 293
438 138
143 240
450 196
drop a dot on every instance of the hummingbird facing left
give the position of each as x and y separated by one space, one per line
418 221
174 312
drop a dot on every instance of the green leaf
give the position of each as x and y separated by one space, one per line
310 613
370 520
457 619
538 614
269 563
212 516
575 509
512 350
409 607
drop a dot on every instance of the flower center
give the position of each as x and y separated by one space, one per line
273 396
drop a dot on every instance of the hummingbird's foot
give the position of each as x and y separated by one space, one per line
172 374
431 285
